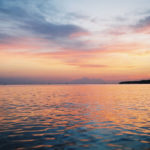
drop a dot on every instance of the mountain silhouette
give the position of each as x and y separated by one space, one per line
85 80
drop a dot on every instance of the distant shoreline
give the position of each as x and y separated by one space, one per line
122 82
60 84
136 82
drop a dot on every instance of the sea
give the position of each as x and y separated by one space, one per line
75 117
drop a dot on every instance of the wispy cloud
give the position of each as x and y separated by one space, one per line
24 23
143 25
58 37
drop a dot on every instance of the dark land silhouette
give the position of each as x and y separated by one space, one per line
84 80
136 82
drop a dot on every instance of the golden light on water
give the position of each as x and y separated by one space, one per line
113 115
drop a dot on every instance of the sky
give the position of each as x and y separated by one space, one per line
52 41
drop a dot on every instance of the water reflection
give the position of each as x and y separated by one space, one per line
75 117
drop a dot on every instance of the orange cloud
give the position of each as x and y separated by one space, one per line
79 34
110 61
145 29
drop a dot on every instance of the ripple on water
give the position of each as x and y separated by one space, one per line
73 117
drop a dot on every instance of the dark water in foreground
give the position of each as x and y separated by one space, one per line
75 117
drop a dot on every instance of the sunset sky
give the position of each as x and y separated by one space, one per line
64 40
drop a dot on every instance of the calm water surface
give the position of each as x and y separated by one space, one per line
75 117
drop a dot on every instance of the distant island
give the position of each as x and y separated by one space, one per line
19 81
136 82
